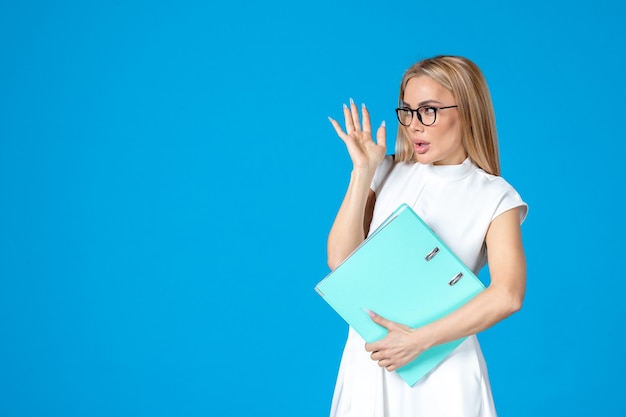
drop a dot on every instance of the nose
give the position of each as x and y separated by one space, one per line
415 124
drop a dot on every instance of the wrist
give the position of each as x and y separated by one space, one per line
363 172
423 338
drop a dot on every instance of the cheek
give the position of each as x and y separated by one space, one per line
454 131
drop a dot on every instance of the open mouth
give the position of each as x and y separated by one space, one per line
421 146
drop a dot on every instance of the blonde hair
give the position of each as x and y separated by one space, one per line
478 122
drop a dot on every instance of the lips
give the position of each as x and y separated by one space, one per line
420 146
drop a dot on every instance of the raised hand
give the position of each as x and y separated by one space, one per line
364 152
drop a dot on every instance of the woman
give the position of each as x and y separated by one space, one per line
447 168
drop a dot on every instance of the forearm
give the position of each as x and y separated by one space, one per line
503 297
403 344
348 230
486 309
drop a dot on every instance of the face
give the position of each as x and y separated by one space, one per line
440 143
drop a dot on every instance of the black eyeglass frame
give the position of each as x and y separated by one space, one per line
419 116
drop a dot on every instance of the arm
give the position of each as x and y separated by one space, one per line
351 224
503 297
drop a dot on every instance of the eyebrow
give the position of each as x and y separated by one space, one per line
422 103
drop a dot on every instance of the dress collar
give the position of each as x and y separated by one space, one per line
451 172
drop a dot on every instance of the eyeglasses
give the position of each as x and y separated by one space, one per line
425 114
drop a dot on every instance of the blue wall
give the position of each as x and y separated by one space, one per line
168 177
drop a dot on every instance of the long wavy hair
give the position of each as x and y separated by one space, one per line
478 122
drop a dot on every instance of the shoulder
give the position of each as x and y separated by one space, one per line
500 194
490 182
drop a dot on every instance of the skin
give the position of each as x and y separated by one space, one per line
351 224
506 260
444 138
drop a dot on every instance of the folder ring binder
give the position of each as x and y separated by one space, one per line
432 253
385 275
456 278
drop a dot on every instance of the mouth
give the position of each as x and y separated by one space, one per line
420 146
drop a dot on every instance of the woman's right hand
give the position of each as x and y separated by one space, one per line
364 152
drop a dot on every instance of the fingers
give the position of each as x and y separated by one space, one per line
337 127
366 119
381 134
386 356
394 350
354 112
349 120
351 116
387 364
380 320
383 361
353 120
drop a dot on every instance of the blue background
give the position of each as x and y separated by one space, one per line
168 177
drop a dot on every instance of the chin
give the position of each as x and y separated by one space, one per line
423 159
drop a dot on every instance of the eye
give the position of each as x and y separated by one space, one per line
429 110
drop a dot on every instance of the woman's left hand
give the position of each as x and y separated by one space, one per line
396 349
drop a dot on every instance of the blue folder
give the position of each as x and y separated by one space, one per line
405 273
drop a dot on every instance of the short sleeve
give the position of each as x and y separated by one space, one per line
382 171
511 199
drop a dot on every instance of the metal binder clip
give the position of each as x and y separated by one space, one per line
432 254
456 279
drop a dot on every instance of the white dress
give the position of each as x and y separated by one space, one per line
458 202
